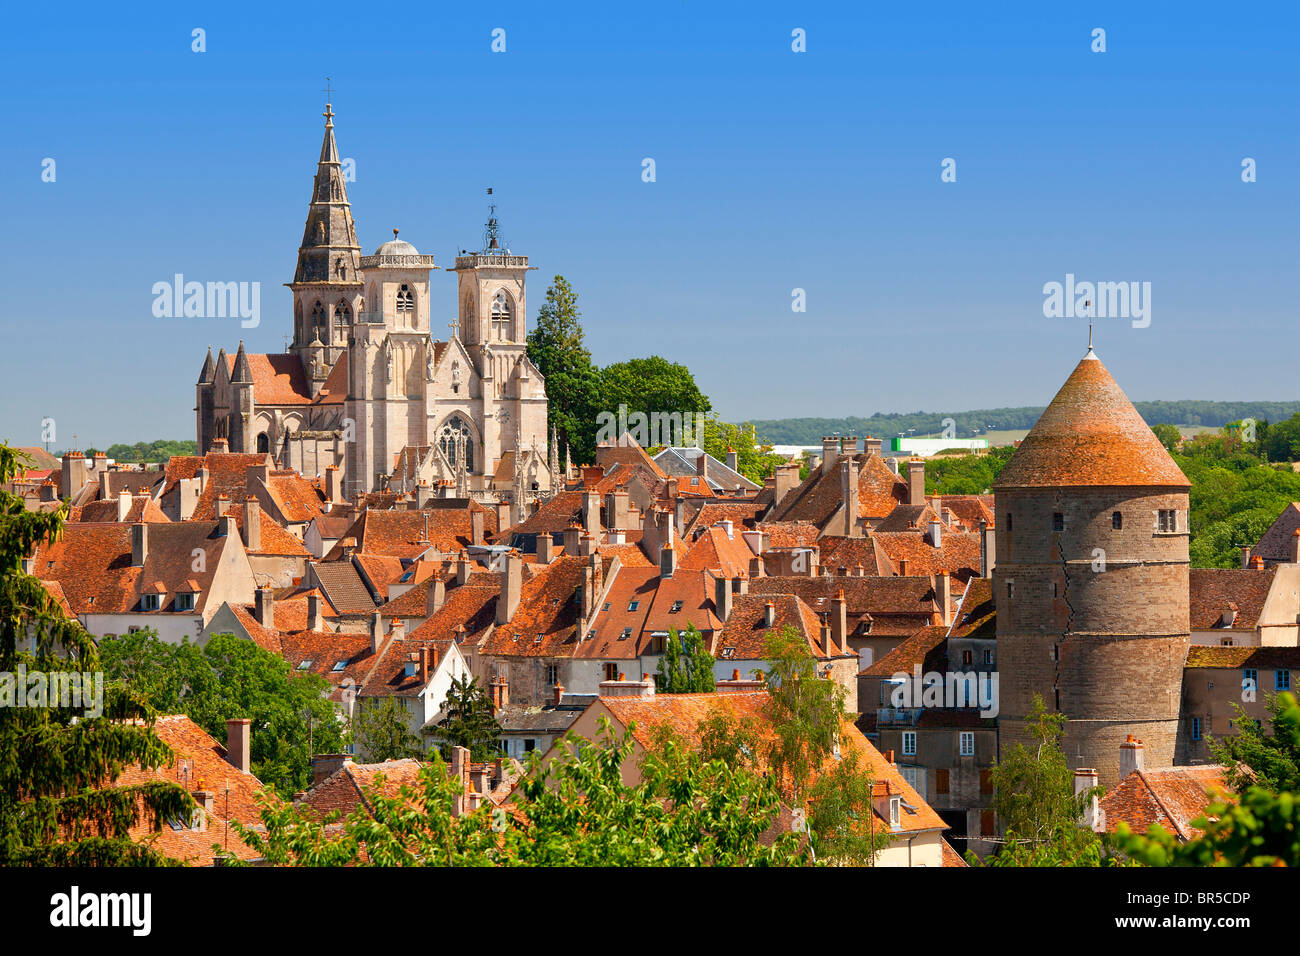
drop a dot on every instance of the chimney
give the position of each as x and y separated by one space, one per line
511 583
915 481
1131 757
397 629
324 766
1295 546
830 453
252 524
500 693
733 460
1085 778
376 631
849 496
902 567
840 622
986 548
238 732
943 597
315 615
223 503
702 465
722 598
591 512
264 606
123 504
1245 557
334 485
1256 563
769 614
622 687
462 568
545 547
828 642
476 526
424 660
756 540
936 533
558 699
226 527
616 510
871 446
436 596
727 527
139 544
667 560
204 798
787 479
587 545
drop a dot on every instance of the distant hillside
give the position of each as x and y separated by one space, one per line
809 431
155 451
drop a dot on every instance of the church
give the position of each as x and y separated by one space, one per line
366 388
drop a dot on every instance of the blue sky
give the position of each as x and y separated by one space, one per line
775 170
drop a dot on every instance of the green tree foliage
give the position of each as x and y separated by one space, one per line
806 709
57 765
572 810
1168 435
841 814
686 666
651 385
573 385
1261 829
379 731
1268 760
1234 500
467 721
965 474
152 451
230 677
753 460
1035 802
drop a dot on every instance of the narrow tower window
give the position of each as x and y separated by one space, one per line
405 299
501 316
1117 521
1058 521
318 321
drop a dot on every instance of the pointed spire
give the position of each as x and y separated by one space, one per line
554 462
209 369
329 250
243 372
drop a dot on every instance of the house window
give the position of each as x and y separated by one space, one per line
611 671
941 780
151 602
633 605
988 657
606 607
966 743
1008 524
1167 520
986 823
1249 678
909 743
966 658
529 744
1196 728
339 666
1011 589
185 601
1281 680
1058 521
305 664
552 674
1117 521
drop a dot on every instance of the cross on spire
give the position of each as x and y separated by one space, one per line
328 91
452 326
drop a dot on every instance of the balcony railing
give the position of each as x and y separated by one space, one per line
489 259
397 262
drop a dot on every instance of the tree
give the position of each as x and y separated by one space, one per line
555 346
806 709
841 815
1254 758
379 731
231 677
468 721
1261 829
686 666
573 809
652 385
1034 799
58 805
1168 435
753 460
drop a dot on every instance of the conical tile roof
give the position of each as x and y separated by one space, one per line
1090 435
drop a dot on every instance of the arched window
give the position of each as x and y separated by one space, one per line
454 438
263 444
342 316
318 321
405 299
501 316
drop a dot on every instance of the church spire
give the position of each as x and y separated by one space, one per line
329 250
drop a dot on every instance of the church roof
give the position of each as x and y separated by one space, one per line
278 379
1091 436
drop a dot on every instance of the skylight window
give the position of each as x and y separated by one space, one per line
339 665
634 605
627 632
677 606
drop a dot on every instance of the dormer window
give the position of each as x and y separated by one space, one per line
151 602
185 601
895 811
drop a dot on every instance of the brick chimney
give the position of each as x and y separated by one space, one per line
123 504
222 504
315 613
722 598
702 465
1132 756
840 621
871 446
1295 546
499 690
986 549
591 512
139 544
645 687
238 734
736 684
511 585
252 524
915 481
616 509
1245 557
558 698
334 484
435 597
462 568
733 460
476 526
264 606
936 532
849 496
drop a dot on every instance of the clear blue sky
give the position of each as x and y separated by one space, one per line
775 170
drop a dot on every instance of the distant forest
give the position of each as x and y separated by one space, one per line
809 431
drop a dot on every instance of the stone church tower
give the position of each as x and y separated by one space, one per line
1091 577
366 386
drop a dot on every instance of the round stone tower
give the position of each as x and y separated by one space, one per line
1091 577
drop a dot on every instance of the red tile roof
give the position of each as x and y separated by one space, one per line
1228 599
1172 797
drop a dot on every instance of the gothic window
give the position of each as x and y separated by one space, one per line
342 316
263 444
299 331
455 437
501 316
318 322
405 299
